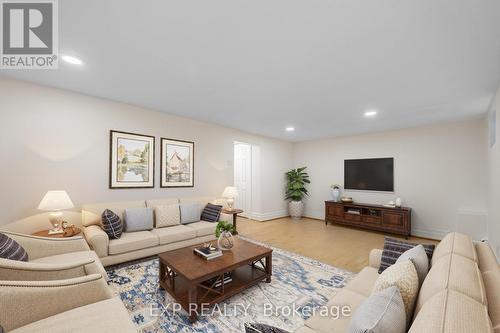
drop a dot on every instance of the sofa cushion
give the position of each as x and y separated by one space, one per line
111 224
364 281
339 324
453 272
393 248
382 312
451 312
167 215
161 202
174 234
203 228
89 318
130 241
211 213
455 243
419 258
404 276
138 219
190 212
12 250
485 257
491 281
91 213
79 256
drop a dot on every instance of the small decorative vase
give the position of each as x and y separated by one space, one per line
296 209
336 194
398 202
225 241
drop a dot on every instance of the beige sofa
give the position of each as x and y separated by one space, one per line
140 244
460 294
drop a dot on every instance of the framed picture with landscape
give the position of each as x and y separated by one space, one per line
131 161
177 163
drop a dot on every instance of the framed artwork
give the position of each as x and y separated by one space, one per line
177 163
131 160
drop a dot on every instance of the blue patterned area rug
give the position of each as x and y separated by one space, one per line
298 283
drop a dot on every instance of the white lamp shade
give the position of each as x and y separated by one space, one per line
230 192
55 200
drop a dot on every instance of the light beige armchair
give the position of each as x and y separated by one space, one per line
51 259
82 304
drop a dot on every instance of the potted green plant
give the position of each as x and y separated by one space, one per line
224 235
296 180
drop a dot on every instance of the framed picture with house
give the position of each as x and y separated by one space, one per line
177 163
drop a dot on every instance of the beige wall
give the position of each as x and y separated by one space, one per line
440 172
494 180
54 139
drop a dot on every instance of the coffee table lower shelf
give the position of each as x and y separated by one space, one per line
196 295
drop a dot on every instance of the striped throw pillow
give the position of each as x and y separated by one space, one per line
394 248
10 249
111 224
211 213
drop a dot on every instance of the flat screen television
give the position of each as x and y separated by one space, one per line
372 174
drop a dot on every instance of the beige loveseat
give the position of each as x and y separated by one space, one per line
460 294
140 244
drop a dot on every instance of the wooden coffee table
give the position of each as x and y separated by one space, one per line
184 275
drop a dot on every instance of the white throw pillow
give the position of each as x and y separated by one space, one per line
382 312
167 215
404 276
419 258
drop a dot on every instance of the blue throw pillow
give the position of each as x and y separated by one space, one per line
190 213
211 213
138 219
10 249
111 224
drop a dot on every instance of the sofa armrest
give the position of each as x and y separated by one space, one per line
375 258
40 247
98 240
13 270
24 302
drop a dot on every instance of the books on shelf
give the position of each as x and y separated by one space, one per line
227 279
208 253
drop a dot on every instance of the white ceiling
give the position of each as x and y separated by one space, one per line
262 65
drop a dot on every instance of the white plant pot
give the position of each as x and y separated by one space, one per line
296 209
336 194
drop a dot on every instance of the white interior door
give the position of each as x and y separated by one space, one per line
243 176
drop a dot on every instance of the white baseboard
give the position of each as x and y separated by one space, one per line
429 233
268 216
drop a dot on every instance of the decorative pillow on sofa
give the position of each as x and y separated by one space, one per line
211 213
167 215
138 219
419 258
404 276
10 249
382 312
190 212
111 224
393 248
262 328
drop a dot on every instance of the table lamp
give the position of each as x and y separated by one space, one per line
55 202
230 192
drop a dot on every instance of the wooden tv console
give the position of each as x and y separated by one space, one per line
367 216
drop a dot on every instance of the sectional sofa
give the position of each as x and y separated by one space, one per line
140 244
460 294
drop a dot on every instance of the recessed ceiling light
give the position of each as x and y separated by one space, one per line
290 129
370 113
72 60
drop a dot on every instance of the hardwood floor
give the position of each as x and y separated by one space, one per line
339 246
